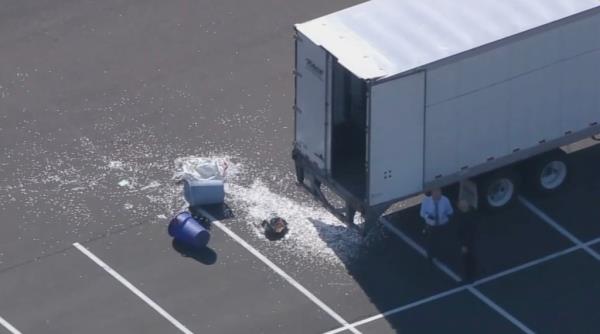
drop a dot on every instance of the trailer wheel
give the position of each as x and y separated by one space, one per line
549 173
499 190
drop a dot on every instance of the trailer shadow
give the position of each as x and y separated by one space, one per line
503 239
388 272
576 206
392 274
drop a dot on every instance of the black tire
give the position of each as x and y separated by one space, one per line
498 190
548 173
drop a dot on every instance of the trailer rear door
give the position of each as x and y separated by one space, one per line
312 76
396 138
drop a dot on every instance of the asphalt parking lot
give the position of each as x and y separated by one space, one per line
97 99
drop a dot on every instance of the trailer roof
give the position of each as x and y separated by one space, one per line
383 38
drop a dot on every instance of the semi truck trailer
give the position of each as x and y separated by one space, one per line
397 97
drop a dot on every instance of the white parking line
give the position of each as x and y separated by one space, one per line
8 326
399 309
419 249
557 227
536 262
454 276
526 265
279 271
459 289
500 310
132 288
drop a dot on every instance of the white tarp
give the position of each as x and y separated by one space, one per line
199 169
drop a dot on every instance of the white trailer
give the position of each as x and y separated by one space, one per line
397 97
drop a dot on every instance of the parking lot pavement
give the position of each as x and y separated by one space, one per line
66 293
576 210
554 297
224 289
506 239
84 84
596 247
458 313
382 274
102 92
576 207
47 219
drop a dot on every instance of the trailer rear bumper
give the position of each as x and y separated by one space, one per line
308 172
312 178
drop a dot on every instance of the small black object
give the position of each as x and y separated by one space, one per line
275 228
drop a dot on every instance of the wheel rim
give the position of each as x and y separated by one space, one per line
500 192
553 175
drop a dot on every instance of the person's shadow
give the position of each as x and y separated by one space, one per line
203 255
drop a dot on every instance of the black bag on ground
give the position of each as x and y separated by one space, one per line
275 228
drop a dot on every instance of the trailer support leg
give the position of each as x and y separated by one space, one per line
371 221
299 173
349 213
299 167
372 216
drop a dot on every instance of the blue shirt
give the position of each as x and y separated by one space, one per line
436 214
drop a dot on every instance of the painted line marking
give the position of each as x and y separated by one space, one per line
455 277
132 288
8 326
536 262
525 266
280 271
459 289
420 249
557 227
500 310
399 309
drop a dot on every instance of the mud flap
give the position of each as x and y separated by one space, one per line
468 192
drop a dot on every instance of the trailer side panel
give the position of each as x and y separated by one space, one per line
512 98
396 138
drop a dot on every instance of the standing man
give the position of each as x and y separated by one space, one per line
467 233
436 211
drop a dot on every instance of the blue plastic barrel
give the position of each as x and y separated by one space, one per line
187 230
